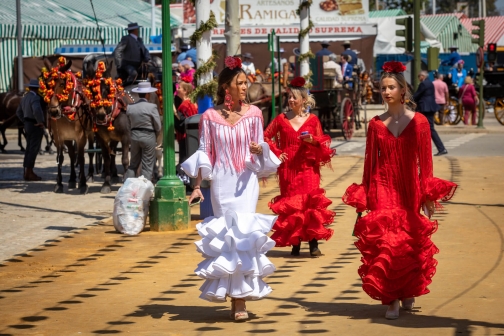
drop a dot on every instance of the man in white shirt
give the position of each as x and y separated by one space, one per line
283 60
247 64
332 64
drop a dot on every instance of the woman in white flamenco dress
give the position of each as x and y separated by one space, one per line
233 155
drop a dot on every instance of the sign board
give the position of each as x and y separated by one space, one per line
283 12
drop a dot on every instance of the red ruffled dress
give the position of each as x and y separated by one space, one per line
302 206
394 237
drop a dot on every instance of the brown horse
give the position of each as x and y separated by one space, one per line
69 121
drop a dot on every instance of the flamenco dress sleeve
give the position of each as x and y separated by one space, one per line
356 194
321 147
203 157
265 163
432 188
271 137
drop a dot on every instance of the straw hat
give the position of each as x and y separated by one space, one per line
144 87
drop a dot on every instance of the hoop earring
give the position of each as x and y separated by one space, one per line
228 100
402 98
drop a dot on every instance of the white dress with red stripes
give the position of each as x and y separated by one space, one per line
234 240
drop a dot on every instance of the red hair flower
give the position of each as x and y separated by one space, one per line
393 67
298 82
232 62
186 78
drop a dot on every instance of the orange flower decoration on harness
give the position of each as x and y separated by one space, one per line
93 92
47 82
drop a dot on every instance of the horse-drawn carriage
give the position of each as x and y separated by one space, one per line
337 106
493 95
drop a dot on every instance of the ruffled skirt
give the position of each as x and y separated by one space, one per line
301 218
397 254
234 248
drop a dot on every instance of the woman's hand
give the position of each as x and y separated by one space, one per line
429 208
309 139
283 157
255 148
195 194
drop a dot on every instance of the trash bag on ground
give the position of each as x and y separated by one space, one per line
131 205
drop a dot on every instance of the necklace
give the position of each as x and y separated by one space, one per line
301 115
395 120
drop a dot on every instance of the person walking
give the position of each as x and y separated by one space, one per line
441 93
30 112
394 237
232 153
469 97
296 137
130 53
426 102
324 51
145 125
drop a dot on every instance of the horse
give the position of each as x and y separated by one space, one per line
69 120
112 124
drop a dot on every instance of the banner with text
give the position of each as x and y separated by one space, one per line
283 12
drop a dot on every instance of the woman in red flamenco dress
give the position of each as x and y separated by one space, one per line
394 237
296 137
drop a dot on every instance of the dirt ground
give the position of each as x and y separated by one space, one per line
95 281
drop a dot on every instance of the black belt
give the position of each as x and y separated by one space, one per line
31 120
143 129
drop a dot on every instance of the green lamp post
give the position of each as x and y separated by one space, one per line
169 210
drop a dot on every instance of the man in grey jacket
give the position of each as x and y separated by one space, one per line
130 53
145 125
30 112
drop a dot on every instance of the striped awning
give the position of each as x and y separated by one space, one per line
48 25
84 49
386 13
444 26
494 27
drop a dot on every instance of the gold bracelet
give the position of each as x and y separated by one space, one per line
196 187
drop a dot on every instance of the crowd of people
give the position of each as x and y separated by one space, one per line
235 152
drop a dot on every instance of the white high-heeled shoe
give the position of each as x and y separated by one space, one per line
408 304
393 311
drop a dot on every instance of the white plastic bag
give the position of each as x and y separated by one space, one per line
131 205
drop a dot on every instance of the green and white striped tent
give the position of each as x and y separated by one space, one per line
444 26
49 24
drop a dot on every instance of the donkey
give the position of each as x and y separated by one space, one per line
69 121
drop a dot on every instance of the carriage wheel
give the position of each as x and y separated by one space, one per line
455 111
438 117
347 118
499 110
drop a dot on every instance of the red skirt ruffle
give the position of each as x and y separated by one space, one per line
301 218
397 254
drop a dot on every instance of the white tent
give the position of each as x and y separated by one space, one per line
386 39
500 43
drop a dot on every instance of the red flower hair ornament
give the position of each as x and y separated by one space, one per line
232 62
186 78
393 67
298 82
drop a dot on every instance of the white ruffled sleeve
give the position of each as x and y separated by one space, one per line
266 163
201 158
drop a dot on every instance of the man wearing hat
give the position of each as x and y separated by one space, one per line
130 53
353 60
247 64
145 125
324 51
454 57
31 113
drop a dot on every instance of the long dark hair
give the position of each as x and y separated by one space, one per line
225 77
